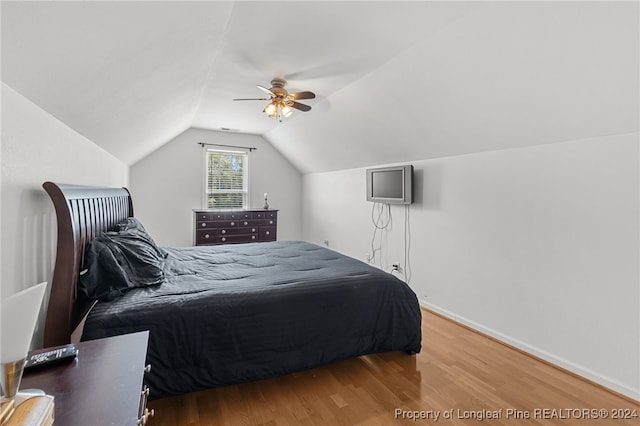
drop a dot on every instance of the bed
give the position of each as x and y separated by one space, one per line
227 314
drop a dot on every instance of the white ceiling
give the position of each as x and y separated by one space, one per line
395 81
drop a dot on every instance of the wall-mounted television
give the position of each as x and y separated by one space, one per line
390 185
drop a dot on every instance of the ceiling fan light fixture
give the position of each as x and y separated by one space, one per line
271 109
286 111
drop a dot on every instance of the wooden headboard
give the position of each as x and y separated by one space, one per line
82 212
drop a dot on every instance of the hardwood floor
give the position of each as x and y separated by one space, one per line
459 373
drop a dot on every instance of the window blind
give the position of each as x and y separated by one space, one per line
227 179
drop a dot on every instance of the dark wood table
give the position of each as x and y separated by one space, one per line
102 386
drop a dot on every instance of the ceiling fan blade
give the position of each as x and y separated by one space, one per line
298 105
265 90
302 95
252 99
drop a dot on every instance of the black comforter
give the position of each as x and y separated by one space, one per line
236 313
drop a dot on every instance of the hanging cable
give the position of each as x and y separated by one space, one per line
382 219
407 243
381 224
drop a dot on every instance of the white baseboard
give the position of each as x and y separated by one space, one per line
555 360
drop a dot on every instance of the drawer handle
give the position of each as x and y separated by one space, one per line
204 225
145 417
147 368
253 237
267 233
270 222
246 223
224 231
253 229
223 239
206 236
233 224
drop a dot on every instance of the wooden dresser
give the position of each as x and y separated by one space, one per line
102 386
234 226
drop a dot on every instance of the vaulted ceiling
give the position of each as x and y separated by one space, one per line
395 81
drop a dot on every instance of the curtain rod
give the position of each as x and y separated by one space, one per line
202 144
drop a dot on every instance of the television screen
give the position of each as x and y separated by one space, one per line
386 184
390 185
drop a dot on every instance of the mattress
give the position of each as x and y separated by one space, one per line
235 313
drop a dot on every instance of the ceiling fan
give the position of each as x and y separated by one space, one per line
281 101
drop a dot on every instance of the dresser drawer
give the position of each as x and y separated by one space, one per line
266 214
237 231
264 222
217 224
229 239
232 216
205 225
208 216
267 233
209 236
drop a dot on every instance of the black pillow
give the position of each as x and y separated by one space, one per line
132 224
117 261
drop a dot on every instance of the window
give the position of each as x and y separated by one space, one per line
227 179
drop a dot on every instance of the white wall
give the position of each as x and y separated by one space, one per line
537 246
36 147
169 183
